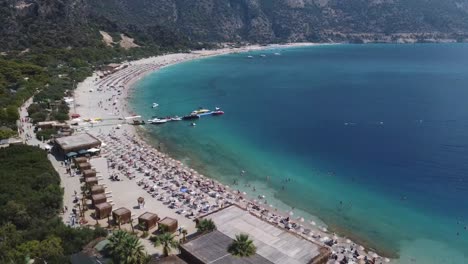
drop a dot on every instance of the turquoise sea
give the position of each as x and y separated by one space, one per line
372 139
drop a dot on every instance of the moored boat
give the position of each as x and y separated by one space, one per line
155 105
190 117
217 112
200 111
158 121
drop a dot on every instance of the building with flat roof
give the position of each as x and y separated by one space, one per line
273 243
76 143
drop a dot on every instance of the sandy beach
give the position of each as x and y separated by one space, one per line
169 188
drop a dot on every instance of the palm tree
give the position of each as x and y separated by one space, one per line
125 248
206 225
134 251
166 240
242 246
115 247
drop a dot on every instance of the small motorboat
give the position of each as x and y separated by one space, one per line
158 121
200 111
193 124
277 54
263 55
155 105
217 112
250 57
176 118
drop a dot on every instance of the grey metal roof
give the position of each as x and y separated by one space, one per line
212 248
273 243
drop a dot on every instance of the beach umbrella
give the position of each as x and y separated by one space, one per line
301 219
313 223
360 247
375 255
291 213
387 260
348 241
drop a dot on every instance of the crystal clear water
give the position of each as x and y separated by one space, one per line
374 138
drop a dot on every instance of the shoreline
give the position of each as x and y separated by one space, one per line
86 106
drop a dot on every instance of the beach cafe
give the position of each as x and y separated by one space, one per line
77 145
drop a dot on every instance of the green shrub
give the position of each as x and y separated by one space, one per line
45 134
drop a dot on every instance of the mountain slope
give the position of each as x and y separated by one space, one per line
287 20
46 23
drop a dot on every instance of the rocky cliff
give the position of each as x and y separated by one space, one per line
53 22
289 20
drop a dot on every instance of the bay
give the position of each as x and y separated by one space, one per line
372 139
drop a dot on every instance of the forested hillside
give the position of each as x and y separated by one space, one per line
288 20
52 23
30 201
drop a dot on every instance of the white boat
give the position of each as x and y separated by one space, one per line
176 118
250 57
155 105
263 55
158 121
277 54
200 111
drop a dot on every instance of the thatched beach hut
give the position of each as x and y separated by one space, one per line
91 181
97 189
84 166
99 199
103 210
148 220
89 173
168 224
122 215
79 160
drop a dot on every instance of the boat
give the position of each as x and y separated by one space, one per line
176 118
277 54
217 112
250 57
263 55
158 121
200 111
206 114
193 124
190 117
155 105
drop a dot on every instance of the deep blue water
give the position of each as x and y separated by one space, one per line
373 137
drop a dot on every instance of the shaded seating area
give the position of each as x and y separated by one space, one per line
98 198
97 189
84 166
89 173
168 225
122 215
148 221
91 181
103 210
80 160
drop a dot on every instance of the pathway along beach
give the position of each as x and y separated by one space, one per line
138 163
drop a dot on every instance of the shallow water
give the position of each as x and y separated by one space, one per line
374 138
